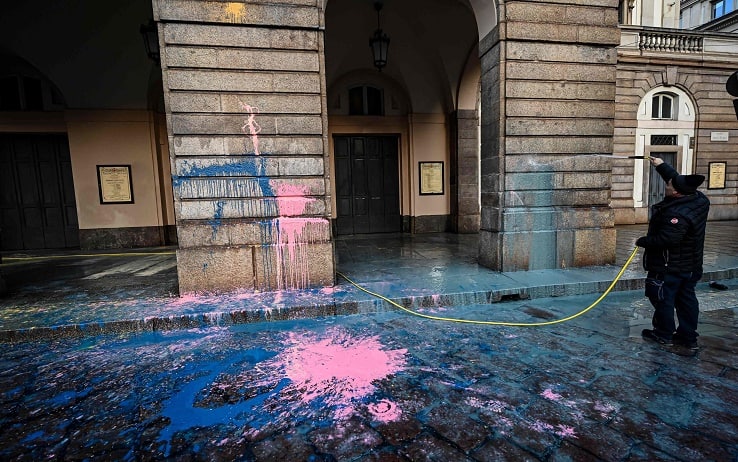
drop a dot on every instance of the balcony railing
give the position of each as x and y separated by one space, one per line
678 43
670 42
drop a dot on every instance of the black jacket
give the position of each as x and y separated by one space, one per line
676 233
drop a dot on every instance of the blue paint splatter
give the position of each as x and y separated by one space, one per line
183 415
33 436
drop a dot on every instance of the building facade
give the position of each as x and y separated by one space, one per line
264 129
672 102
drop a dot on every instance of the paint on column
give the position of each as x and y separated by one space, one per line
241 187
251 127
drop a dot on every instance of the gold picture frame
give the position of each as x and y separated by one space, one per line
716 175
431 178
114 184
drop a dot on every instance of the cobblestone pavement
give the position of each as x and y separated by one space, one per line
385 386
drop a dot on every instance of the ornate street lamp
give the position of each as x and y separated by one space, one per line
379 42
151 40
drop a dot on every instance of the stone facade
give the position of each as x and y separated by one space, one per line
548 86
244 91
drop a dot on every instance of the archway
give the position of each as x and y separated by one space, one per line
666 127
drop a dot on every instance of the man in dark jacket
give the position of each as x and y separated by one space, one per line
674 248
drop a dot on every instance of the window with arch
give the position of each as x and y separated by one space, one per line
27 93
366 100
662 106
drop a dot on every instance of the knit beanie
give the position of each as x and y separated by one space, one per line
687 184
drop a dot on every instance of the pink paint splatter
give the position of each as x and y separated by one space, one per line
339 369
491 405
563 431
605 409
385 411
291 199
549 394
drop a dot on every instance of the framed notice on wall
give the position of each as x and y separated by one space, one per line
431 178
716 178
114 184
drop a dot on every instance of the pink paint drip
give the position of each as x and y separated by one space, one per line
251 127
291 202
292 235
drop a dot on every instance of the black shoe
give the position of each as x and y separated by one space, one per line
680 341
648 334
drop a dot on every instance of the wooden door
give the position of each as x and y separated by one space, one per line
37 206
656 185
367 184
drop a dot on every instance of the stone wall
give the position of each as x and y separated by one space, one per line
244 92
548 87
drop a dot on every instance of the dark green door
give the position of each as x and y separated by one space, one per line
37 206
367 184
656 185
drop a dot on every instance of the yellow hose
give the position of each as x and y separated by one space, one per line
502 323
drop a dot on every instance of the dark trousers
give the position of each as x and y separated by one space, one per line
674 291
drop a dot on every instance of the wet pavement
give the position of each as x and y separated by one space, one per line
281 377
384 386
73 293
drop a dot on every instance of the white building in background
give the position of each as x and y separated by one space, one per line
709 15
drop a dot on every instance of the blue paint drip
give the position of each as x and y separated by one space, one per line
217 218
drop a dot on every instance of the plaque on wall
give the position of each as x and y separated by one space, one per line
431 178
716 178
114 184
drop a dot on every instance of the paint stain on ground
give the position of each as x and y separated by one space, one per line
340 370
321 379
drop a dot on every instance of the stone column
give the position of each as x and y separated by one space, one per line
467 172
244 88
548 90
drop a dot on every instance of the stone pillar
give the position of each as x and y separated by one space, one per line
548 91
244 88
467 172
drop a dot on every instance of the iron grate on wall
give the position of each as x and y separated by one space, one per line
663 140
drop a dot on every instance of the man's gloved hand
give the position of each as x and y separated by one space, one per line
641 242
655 161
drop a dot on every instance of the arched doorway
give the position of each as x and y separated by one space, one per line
37 200
666 128
420 93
